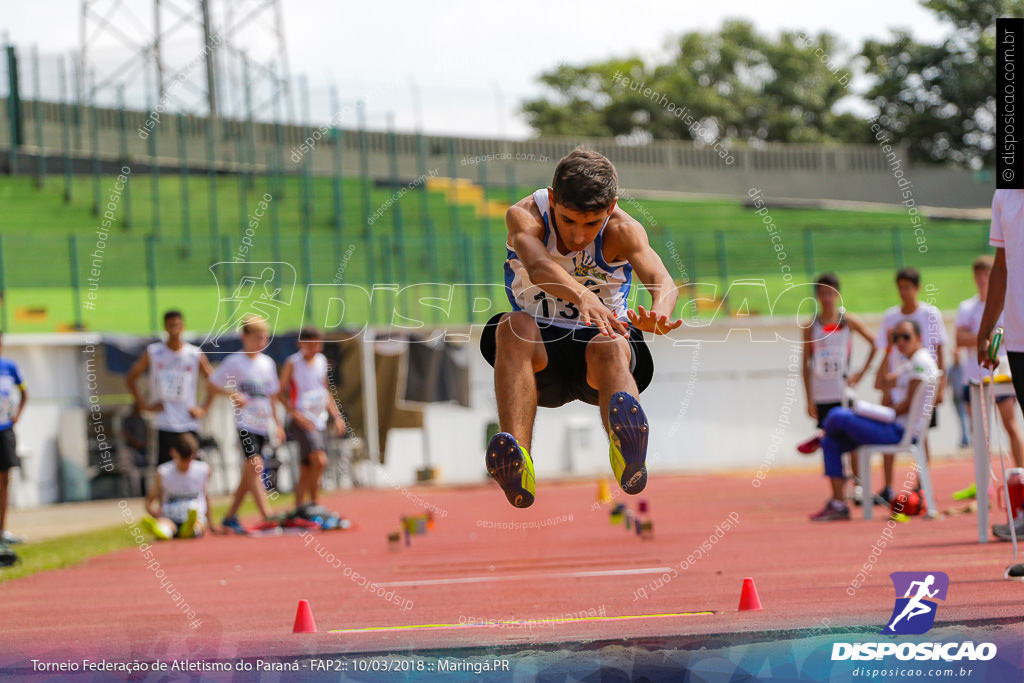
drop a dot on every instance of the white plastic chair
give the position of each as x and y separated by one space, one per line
918 417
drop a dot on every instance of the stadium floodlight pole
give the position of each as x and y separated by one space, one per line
122 124
250 126
396 210
307 161
210 61
485 227
186 217
94 137
364 165
211 175
337 139
79 94
37 115
65 129
157 52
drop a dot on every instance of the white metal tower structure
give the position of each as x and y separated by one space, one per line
227 58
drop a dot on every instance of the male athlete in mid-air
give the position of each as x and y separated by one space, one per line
571 256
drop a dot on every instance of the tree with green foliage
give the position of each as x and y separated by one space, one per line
734 84
939 100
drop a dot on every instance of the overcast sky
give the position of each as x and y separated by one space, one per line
471 63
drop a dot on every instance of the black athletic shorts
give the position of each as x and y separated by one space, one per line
823 410
252 443
565 377
309 440
164 443
8 450
967 396
1016 359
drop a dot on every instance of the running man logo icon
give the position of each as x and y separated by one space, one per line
914 613
248 289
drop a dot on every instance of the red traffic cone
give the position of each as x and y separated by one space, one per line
304 619
748 597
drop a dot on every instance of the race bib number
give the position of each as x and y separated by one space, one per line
256 412
312 402
829 363
172 385
551 307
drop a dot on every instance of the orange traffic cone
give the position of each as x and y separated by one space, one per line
304 619
748 597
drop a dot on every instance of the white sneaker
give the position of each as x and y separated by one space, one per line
7 537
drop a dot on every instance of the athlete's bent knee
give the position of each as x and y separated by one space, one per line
517 327
607 350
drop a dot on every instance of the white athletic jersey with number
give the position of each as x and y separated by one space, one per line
173 378
256 378
1007 234
830 360
968 316
309 387
610 281
183 491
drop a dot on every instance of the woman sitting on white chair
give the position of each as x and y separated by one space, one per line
845 430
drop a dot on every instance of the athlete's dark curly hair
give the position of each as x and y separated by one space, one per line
585 181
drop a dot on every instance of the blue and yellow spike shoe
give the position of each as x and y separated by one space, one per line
628 448
512 467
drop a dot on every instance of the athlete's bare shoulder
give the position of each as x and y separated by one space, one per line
524 216
623 235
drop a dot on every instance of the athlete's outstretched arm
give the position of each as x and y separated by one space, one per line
525 235
631 242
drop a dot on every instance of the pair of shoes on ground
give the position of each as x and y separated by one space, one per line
186 529
834 511
232 524
1002 531
883 497
512 467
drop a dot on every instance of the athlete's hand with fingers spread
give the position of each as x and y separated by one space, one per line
593 312
651 321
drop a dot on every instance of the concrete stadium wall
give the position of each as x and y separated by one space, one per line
855 173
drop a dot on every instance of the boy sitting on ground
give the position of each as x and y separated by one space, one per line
179 501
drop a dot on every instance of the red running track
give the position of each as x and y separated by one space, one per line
245 591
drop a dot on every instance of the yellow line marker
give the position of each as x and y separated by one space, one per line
513 622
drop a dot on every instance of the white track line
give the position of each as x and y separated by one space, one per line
516 577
